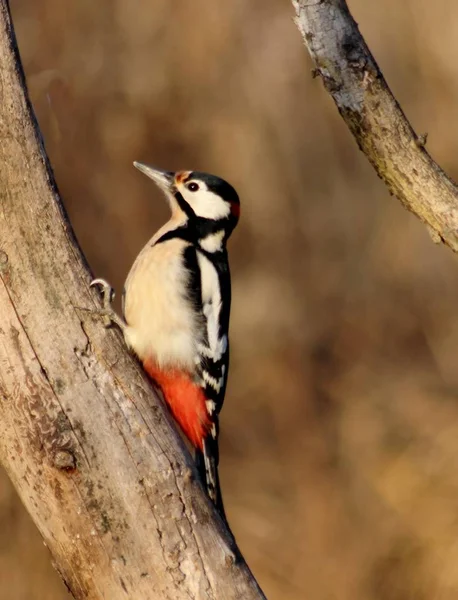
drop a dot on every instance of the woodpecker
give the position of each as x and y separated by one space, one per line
176 307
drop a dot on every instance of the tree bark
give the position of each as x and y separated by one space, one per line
355 82
87 444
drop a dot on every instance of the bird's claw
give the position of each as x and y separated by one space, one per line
108 315
106 291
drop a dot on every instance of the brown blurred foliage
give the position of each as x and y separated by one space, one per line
340 430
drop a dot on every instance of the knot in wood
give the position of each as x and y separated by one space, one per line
3 260
229 560
421 140
63 459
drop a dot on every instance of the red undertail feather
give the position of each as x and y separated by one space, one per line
186 400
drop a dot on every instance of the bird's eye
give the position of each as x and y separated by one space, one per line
193 186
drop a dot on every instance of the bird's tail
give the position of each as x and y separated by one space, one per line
207 466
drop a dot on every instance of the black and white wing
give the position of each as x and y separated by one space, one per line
213 359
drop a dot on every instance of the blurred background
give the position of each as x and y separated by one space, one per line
340 430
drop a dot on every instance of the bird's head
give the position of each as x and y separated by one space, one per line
204 201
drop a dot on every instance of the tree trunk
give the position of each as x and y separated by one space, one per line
356 84
87 444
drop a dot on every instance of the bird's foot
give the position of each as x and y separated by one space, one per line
108 315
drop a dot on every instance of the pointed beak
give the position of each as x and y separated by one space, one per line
163 179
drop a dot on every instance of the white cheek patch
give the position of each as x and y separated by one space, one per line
206 204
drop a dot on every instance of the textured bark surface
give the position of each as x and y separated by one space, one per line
355 82
83 437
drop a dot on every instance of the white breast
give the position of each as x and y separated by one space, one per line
161 322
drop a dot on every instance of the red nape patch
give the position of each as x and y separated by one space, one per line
186 400
235 209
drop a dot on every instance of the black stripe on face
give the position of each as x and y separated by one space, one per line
185 207
203 226
198 229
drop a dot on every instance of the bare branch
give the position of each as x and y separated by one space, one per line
85 441
354 80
